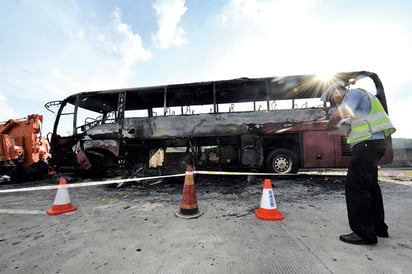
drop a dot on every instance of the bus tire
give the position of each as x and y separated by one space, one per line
282 161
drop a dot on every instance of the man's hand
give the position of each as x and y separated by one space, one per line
337 116
333 121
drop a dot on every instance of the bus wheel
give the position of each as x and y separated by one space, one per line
282 161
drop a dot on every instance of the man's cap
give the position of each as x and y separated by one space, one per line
336 84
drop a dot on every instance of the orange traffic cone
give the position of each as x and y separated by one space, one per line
188 205
62 202
268 210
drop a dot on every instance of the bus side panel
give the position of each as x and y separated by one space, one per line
318 149
251 150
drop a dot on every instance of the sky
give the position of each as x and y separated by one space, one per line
50 49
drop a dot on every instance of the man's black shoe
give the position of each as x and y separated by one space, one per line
382 234
354 238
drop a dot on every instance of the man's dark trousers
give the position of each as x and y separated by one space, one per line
363 195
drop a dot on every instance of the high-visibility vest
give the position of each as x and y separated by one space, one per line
376 121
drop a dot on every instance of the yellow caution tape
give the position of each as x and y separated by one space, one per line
35 188
234 173
205 172
395 173
322 173
269 174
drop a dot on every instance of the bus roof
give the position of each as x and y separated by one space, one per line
217 92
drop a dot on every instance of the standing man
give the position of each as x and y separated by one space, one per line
369 125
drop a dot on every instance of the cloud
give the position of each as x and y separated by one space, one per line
271 37
169 13
397 110
122 48
289 37
79 51
6 111
131 45
291 11
104 56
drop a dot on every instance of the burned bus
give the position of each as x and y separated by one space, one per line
271 124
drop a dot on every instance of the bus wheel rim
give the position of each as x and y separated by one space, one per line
281 164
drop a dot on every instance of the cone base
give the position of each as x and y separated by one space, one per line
61 209
189 211
191 216
269 214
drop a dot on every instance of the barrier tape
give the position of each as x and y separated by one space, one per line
204 172
96 183
343 173
395 174
236 173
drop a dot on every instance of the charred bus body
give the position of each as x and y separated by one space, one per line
276 124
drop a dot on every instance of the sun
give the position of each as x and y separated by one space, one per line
325 76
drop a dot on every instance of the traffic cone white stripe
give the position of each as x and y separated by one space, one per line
62 197
268 199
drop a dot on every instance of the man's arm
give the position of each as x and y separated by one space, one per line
337 116
346 109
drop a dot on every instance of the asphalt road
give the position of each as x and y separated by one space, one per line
134 229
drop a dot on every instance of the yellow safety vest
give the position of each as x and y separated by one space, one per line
376 121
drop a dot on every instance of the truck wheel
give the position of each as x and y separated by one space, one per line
282 161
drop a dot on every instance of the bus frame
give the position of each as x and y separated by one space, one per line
157 129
